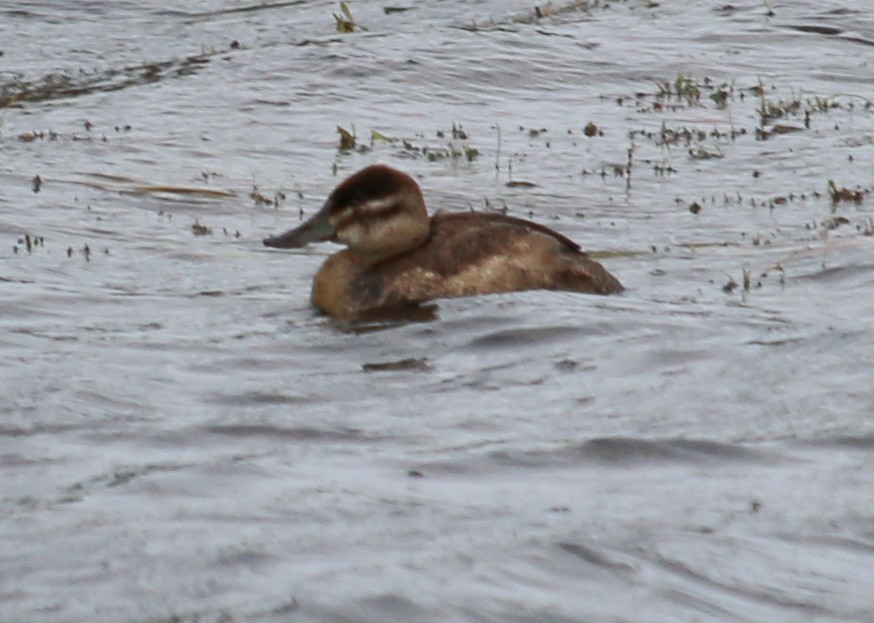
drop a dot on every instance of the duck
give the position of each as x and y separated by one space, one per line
397 256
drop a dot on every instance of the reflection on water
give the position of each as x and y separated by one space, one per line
182 437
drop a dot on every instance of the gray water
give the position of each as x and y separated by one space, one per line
184 438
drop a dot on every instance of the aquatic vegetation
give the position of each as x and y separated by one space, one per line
457 132
833 222
450 152
722 94
591 130
541 12
262 200
199 229
347 139
769 110
16 91
30 243
683 88
702 153
773 115
53 135
345 22
376 135
455 149
746 282
845 194
552 10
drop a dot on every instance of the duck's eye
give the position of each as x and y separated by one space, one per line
358 196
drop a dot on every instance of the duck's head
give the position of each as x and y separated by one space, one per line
378 213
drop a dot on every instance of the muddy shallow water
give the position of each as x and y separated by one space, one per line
183 438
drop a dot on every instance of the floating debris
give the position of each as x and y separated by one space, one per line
179 190
36 183
520 184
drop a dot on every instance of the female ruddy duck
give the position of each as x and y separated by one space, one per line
397 256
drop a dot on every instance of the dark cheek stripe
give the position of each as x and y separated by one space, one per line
363 217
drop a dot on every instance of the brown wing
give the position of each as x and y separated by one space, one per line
487 221
462 240
472 253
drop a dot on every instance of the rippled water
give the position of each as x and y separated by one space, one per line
183 438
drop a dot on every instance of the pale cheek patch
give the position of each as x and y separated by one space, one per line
352 236
376 206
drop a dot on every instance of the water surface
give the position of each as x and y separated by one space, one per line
184 438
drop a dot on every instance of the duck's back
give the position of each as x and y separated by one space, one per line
470 253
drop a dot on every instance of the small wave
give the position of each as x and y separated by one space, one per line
514 338
257 399
593 556
858 442
838 274
295 433
610 451
631 451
